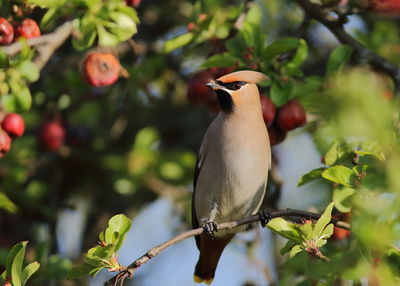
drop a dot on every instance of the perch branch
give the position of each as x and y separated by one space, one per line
336 27
46 44
129 271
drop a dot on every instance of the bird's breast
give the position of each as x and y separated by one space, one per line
231 182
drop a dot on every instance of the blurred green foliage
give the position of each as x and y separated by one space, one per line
132 142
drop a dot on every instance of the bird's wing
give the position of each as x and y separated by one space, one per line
195 222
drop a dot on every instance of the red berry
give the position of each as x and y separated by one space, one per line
13 124
5 143
133 3
27 29
291 115
198 92
202 17
340 233
101 69
385 6
276 135
268 110
6 32
191 26
218 72
51 135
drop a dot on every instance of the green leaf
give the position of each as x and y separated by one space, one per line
236 45
285 228
310 176
7 204
341 198
12 254
299 57
29 271
120 224
338 58
23 99
327 232
341 175
177 42
16 267
252 35
96 255
9 103
296 249
95 271
281 46
337 150
49 17
48 3
220 60
28 70
323 221
288 246
124 27
279 93
86 34
106 39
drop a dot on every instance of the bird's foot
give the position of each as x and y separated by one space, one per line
265 217
210 227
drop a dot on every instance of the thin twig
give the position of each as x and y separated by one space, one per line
336 27
46 44
130 270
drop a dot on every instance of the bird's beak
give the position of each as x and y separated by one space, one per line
214 86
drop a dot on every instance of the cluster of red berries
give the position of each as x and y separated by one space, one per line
101 69
278 120
13 126
27 29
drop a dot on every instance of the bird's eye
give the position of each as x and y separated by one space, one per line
236 85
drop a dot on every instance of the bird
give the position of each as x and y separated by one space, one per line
232 167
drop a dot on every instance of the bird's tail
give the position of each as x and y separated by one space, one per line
210 252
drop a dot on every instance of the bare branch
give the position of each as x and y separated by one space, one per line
336 27
129 271
46 44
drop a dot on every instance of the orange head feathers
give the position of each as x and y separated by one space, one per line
244 75
238 90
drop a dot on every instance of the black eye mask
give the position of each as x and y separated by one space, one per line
234 85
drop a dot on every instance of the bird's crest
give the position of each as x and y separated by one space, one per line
244 75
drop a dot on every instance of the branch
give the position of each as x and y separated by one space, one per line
46 44
336 27
129 271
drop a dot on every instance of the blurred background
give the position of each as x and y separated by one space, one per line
130 147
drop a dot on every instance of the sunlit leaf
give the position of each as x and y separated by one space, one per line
323 221
310 176
28 271
280 46
338 58
340 174
220 60
341 198
178 42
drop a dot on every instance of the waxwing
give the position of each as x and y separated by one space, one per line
232 167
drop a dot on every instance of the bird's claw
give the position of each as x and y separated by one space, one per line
265 217
210 227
